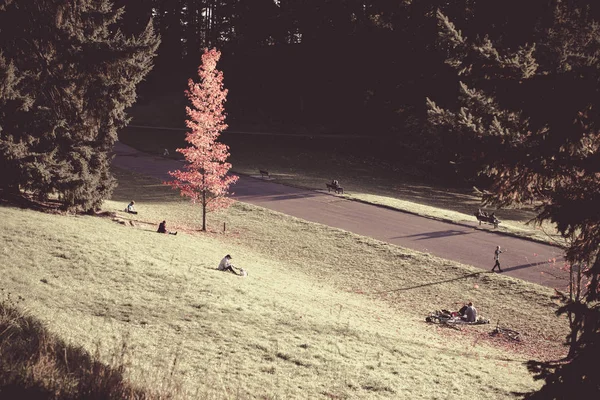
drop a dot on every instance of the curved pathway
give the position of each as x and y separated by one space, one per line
531 261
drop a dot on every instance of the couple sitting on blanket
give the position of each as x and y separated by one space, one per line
467 313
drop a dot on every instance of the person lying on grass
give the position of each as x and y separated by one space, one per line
162 228
226 265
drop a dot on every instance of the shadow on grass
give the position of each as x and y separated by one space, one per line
27 201
34 364
474 274
283 197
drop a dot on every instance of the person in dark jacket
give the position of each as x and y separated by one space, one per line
162 228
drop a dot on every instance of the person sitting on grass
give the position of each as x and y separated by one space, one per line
226 265
162 228
470 313
131 208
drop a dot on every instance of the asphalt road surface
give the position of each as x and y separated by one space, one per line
524 259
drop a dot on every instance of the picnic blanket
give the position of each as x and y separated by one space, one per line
447 317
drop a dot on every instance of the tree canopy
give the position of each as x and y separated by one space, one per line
67 74
528 109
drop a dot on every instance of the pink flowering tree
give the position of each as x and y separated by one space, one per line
205 177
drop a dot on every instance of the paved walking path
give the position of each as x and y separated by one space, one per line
531 261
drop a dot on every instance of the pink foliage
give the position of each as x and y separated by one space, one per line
205 176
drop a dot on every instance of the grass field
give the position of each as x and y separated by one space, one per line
376 176
323 313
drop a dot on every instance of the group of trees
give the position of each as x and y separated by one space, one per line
67 74
333 65
362 66
508 90
527 112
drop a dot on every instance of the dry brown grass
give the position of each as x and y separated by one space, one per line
36 364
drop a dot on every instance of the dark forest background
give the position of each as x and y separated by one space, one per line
306 66
360 67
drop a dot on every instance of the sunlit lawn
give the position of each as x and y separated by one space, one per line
323 314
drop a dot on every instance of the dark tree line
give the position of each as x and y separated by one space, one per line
347 66
333 66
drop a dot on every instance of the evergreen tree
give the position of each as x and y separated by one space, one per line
67 76
531 112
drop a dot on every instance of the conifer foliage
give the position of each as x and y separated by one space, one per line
205 178
532 113
66 77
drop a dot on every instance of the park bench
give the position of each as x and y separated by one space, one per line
488 219
263 173
336 188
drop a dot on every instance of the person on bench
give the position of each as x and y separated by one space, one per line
131 208
162 228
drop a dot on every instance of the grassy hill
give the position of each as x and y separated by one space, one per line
323 313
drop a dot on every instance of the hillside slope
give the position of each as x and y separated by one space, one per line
323 313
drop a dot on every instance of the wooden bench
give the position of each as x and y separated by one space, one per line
336 188
263 173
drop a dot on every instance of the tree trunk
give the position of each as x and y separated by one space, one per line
575 319
204 210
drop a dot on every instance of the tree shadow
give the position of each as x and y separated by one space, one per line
458 278
17 391
28 201
522 266
35 364
279 197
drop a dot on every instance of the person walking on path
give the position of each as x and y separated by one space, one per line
497 259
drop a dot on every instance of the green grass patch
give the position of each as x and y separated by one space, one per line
323 314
